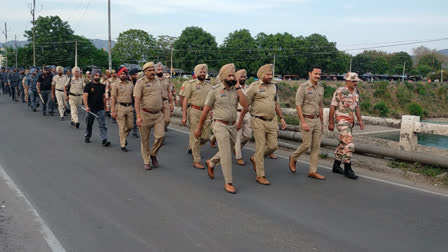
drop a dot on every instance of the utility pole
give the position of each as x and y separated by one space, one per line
76 53
171 69
15 42
273 69
110 43
33 12
404 69
441 73
6 43
351 58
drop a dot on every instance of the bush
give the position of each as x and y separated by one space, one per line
365 105
381 90
421 89
382 109
403 95
250 80
416 109
329 91
291 120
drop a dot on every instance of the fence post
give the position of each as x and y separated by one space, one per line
408 137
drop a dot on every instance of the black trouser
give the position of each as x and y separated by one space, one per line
13 91
48 101
101 124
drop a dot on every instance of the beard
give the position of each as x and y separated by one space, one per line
230 82
123 78
242 82
160 75
96 79
201 77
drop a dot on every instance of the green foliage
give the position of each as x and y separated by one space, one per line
381 90
365 105
328 91
421 89
291 120
403 95
134 46
421 70
250 80
195 46
416 109
230 51
430 61
382 109
396 62
427 170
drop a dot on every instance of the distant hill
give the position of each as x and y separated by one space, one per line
99 43
102 43
444 52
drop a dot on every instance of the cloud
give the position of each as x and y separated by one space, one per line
397 20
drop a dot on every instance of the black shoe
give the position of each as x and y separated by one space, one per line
124 149
126 144
348 172
337 167
34 110
51 113
44 113
114 121
136 134
37 105
62 119
189 151
72 123
154 162
105 143
86 140
77 125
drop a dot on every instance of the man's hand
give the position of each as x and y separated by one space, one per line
66 98
239 125
114 115
87 109
305 126
53 98
331 126
184 121
283 123
139 122
197 133
171 107
361 125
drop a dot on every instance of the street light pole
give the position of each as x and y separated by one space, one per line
110 43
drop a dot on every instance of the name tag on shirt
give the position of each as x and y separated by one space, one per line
148 85
198 86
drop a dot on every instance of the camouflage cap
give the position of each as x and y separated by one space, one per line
351 76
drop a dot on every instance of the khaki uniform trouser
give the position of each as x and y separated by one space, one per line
242 137
166 112
75 102
195 143
62 104
265 134
125 120
310 139
151 121
225 136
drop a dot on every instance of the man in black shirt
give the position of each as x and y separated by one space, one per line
44 89
133 77
93 98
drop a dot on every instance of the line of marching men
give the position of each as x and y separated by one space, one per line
231 110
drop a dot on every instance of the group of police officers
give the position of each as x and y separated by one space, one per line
228 113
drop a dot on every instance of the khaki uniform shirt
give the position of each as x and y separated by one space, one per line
196 92
76 85
224 103
59 81
244 90
123 91
262 99
165 82
182 88
150 93
310 98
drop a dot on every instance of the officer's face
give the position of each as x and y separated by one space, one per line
88 75
267 78
97 77
150 73
201 75
159 72
46 71
351 84
60 72
123 76
76 73
242 79
315 74
134 76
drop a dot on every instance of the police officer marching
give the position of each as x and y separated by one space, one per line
345 106
73 93
264 105
58 90
121 106
309 105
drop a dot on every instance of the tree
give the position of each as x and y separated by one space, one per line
397 60
431 61
380 65
362 63
240 48
134 46
53 38
195 46
164 46
421 70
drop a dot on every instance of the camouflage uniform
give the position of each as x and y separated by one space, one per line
346 103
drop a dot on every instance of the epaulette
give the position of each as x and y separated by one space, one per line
216 86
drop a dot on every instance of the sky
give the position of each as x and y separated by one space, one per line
353 25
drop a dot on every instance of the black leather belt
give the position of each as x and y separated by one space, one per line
75 94
311 116
125 104
60 90
264 119
239 110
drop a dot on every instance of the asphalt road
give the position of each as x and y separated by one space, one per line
100 199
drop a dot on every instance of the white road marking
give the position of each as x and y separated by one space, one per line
48 235
362 176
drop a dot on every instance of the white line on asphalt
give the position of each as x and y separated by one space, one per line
362 176
48 235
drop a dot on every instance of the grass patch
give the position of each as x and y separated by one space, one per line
426 170
323 155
